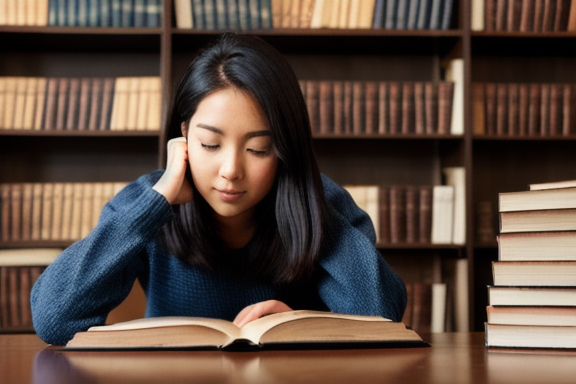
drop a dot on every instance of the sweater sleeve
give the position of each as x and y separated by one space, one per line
355 278
95 274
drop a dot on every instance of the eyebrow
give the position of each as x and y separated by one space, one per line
249 135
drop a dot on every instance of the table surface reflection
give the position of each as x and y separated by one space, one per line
452 358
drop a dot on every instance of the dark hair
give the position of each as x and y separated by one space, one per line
289 235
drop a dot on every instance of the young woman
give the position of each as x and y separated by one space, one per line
240 224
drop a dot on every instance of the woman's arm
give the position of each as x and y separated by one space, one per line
95 274
355 278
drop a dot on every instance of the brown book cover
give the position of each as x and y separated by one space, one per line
24 287
383 111
419 112
326 106
425 214
394 106
513 104
407 122
5 207
358 107
47 210
527 16
555 121
397 214
62 103
73 103
534 110
347 104
523 102
412 205
422 307
445 97
561 15
84 104
501 108
338 89
40 103
479 113
16 211
549 10
371 103
538 16
431 107
490 89
107 100
407 317
37 211
27 195
489 15
4 299
14 320
568 109
513 14
312 101
95 103
544 109
501 15
384 213
572 17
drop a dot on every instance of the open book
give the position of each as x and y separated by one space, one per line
291 329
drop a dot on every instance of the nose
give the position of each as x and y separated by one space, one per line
232 167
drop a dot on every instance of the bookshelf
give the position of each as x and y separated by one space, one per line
492 164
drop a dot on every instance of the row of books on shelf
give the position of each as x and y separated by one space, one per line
532 302
19 270
407 214
81 13
524 15
379 107
339 14
85 103
524 109
52 211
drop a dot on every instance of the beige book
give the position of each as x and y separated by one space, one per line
30 103
120 104
134 88
3 84
67 203
40 99
155 104
57 205
291 328
27 196
366 13
143 103
87 207
20 102
47 210
41 13
5 211
76 217
98 202
16 211
9 102
24 257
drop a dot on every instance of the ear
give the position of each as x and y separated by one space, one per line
184 129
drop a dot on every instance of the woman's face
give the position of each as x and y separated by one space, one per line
232 158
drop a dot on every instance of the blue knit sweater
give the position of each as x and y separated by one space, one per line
95 274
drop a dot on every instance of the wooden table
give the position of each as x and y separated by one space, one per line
453 358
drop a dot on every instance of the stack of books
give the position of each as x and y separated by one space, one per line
532 303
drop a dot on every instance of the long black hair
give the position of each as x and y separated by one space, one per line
291 219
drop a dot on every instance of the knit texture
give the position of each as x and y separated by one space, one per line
95 274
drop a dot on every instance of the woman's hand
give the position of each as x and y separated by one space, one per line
173 184
255 311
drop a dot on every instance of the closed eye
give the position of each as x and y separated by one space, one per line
210 147
258 152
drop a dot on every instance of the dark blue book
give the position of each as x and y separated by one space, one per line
266 14
254 12
233 17
221 14
390 19
94 13
115 13
72 13
244 14
140 11
446 14
424 14
82 9
210 14
402 14
53 12
153 13
105 17
413 14
127 19
435 14
379 12
198 14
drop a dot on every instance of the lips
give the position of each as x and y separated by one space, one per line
230 195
